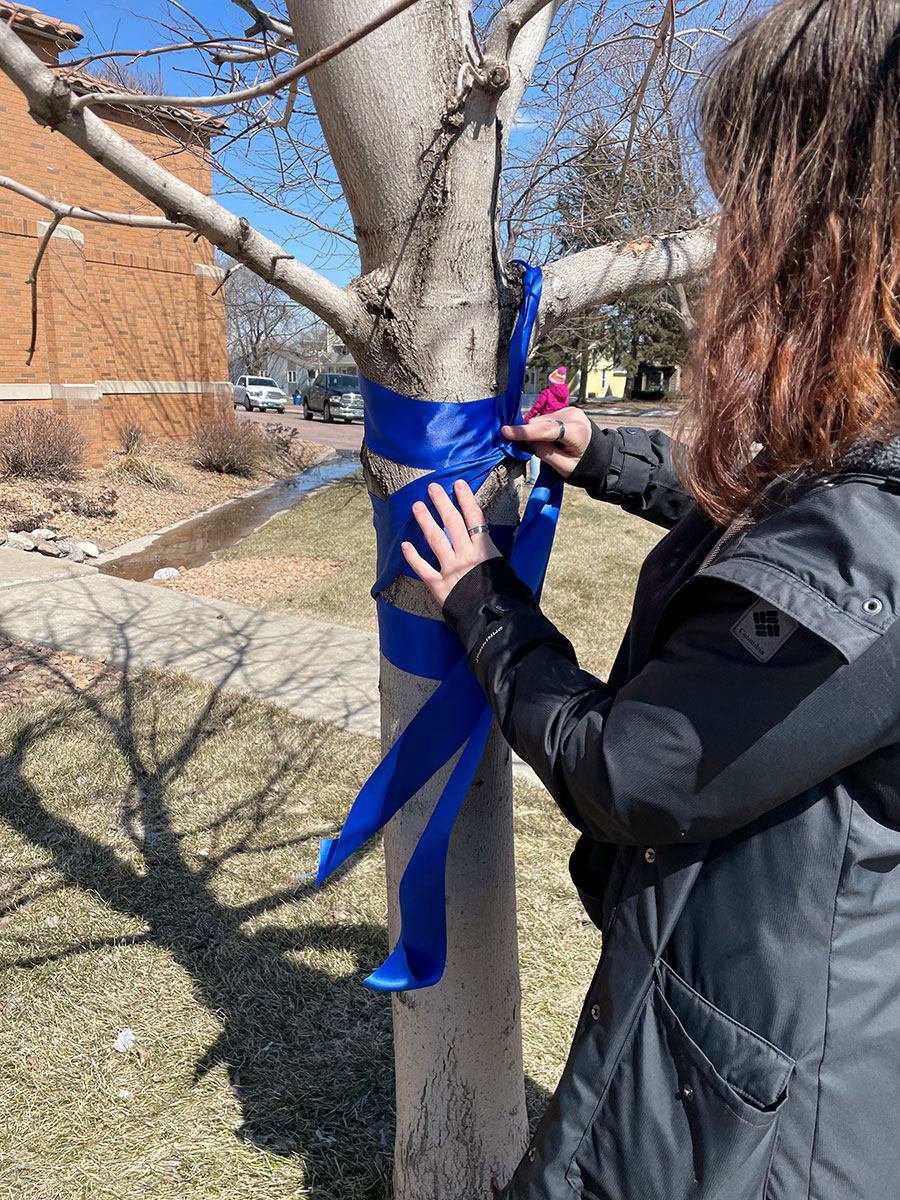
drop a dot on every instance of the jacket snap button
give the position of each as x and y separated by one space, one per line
595 1011
531 1154
688 1092
872 606
650 854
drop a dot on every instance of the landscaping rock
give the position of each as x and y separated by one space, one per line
72 551
89 548
44 535
21 541
49 548
166 573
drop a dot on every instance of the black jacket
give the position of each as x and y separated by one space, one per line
737 785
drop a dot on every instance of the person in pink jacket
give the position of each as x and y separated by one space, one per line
553 397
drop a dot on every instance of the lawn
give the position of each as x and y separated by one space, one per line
157 844
590 583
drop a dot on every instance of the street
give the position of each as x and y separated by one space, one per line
337 434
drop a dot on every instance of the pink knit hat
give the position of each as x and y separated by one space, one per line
558 376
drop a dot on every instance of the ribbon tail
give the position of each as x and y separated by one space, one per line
436 732
419 957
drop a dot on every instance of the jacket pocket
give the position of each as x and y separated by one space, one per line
690 1110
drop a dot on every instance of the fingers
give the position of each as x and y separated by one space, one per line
454 524
434 535
468 505
424 570
541 429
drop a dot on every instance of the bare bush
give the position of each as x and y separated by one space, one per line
230 447
40 445
131 438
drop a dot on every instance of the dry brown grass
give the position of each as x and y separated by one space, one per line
590 583
157 840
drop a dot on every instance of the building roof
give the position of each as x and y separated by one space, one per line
82 81
24 16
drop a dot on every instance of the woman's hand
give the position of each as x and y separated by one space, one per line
543 434
457 550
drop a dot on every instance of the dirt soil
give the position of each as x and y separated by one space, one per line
29 672
138 509
252 580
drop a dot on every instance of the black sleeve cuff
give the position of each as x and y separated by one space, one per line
593 466
488 591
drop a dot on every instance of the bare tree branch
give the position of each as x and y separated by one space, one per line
74 213
33 281
666 22
50 103
268 88
508 23
263 21
586 280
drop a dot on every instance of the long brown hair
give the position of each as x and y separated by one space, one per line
801 131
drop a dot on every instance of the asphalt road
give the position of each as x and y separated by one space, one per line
337 434
349 437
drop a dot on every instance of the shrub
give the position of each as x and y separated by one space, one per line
84 504
131 438
228 446
40 445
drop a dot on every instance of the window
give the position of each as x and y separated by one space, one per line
292 376
603 380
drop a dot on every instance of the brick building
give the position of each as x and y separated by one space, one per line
128 328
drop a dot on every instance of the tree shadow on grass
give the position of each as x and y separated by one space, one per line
307 1051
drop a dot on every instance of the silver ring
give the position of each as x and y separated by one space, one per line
562 433
478 529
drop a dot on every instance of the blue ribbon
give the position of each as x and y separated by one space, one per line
451 441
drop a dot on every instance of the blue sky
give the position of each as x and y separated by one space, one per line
112 26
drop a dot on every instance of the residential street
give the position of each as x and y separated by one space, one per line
338 435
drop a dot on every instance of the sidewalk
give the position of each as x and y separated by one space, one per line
320 671
325 672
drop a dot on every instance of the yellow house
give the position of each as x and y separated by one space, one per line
606 380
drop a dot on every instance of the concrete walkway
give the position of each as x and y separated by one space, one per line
326 672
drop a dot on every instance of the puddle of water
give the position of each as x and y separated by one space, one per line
199 539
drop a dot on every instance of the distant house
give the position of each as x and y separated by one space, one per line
292 367
128 327
606 381
655 380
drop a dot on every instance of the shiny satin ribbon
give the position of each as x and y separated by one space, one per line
451 441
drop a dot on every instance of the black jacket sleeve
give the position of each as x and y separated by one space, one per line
702 741
635 469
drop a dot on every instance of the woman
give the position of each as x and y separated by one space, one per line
737 779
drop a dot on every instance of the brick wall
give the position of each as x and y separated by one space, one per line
116 306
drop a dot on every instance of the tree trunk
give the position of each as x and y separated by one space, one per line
584 368
422 192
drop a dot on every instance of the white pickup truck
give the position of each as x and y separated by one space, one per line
258 391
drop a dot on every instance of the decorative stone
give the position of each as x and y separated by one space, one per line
89 548
50 549
21 541
44 535
166 573
72 551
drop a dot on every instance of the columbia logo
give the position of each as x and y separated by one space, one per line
765 622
